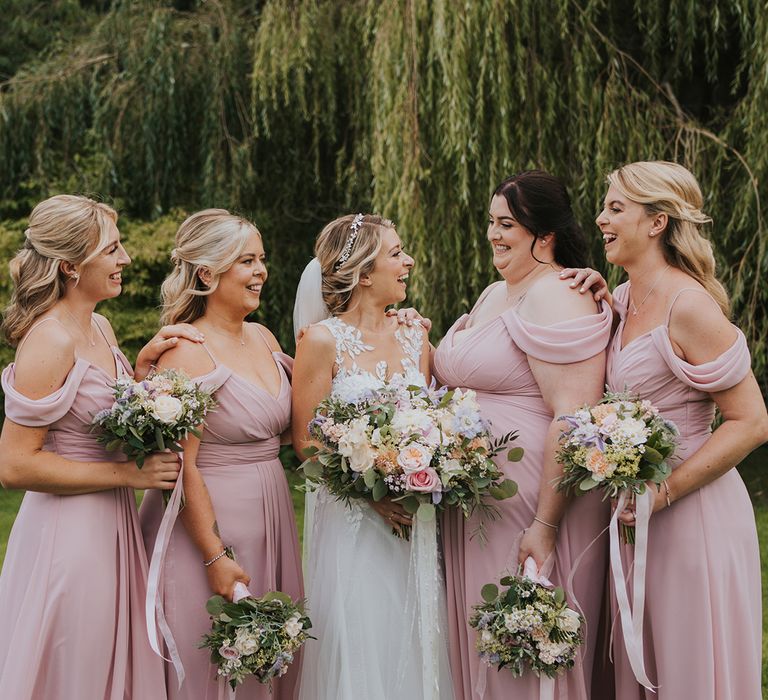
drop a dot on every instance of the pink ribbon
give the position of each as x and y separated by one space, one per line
632 617
153 603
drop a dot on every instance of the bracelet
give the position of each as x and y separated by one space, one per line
666 493
544 522
222 553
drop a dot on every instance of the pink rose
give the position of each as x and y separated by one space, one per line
426 481
229 652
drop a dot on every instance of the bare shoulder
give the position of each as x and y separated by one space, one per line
699 327
188 356
317 346
549 301
106 328
44 360
267 334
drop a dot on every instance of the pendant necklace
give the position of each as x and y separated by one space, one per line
636 309
91 340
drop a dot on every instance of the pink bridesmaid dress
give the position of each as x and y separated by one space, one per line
238 460
493 360
702 625
72 589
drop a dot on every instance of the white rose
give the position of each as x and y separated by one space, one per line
168 409
486 636
414 457
569 621
361 458
412 420
246 642
293 626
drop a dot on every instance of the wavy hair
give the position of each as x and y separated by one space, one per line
213 239
540 203
63 228
668 188
341 279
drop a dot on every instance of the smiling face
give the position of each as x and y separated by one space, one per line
101 277
240 286
388 279
510 241
628 230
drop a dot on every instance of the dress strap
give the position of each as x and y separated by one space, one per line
101 330
675 298
210 354
264 338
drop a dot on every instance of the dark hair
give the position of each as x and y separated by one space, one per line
539 202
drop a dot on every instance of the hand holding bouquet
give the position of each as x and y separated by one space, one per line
527 626
617 445
427 449
255 636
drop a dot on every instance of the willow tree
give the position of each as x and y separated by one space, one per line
296 111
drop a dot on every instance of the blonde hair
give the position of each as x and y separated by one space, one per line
64 228
212 239
341 279
668 188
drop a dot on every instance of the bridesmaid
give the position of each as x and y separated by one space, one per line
675 347
219 272
532 351
74 579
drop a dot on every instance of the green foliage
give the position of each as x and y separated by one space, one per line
295 112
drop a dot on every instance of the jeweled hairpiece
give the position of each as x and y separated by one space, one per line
347 251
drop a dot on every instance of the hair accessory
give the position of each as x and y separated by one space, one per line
347 251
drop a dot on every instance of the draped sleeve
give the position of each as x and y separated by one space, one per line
565 342
286 362
722 373
36 413
621 299
214 380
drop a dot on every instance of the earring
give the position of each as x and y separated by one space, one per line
75 276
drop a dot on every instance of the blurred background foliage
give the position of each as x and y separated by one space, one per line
295 111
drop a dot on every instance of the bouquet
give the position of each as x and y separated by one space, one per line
617 445
527 625
255 636
427 449
152 415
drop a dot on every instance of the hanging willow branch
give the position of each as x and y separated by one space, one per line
295 111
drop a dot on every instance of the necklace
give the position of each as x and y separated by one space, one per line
91 340
636 309
240 339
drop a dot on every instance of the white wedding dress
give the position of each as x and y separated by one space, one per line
377 638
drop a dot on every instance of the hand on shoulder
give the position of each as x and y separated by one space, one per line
188 356
549 301
44 360
698 328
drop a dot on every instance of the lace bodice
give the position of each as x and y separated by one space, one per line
350 345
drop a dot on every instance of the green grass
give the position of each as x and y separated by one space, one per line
752 470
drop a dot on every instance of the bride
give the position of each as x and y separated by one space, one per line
380 629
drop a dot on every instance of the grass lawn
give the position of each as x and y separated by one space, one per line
753 470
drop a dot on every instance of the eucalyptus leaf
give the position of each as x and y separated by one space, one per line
489 592
515 454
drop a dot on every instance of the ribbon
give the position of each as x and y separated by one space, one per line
153 603
632 617
226 691
422 607
530 571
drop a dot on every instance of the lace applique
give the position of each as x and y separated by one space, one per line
410 339
349 339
